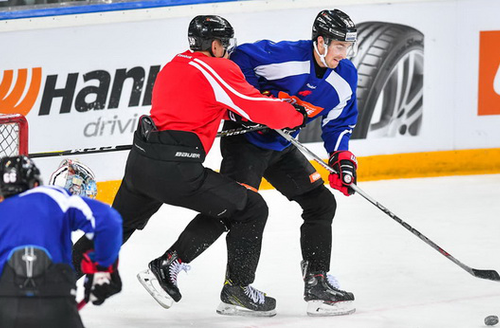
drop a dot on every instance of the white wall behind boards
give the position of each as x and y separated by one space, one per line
92 50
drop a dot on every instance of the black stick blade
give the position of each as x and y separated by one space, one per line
486 274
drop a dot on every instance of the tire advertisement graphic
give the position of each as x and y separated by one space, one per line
390 63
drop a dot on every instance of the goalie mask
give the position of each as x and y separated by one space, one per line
75 177
18 174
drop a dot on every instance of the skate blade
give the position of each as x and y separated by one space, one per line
231 309
150 283
323 309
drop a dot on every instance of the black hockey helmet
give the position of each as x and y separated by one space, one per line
204 29
334 25
18 174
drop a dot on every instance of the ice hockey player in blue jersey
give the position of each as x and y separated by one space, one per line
317 75
313 73
37 281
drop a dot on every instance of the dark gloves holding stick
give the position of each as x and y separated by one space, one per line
302 110
249 124
100 282
243 121
344 163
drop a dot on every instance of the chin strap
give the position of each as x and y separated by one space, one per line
321 57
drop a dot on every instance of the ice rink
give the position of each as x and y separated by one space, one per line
398 280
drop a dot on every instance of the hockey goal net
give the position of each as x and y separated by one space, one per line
13 135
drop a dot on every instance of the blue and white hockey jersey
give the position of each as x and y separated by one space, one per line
286 69
45 217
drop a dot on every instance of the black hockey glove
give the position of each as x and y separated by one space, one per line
302 110
100 282
243 121
344 163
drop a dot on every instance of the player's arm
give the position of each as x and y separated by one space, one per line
103 225
336 135
246 101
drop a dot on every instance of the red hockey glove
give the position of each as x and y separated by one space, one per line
344 163
100 282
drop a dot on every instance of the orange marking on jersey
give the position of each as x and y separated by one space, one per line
310 108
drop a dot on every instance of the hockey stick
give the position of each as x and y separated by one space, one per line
81 304
238 131
79 151
483 274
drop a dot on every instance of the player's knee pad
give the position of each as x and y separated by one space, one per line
255 209
318 204
256 204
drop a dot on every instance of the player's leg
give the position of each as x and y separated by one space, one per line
293 175
241 162
217 198
244 162
318 206
221 200
135 209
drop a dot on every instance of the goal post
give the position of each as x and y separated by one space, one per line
13 135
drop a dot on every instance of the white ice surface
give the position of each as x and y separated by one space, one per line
398 280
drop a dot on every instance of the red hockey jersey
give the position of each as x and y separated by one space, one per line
193 93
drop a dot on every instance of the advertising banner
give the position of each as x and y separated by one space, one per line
489 73
427 81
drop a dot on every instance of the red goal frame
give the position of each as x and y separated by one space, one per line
22 123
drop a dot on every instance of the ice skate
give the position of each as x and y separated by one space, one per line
245 301
160 280
323 295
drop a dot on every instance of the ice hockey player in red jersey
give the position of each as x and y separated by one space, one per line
191 95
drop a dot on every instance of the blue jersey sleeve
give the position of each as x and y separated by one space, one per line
265 53
246 64
102 224
336 134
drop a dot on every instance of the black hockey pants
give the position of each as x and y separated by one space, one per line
150 182
47 300
291 174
